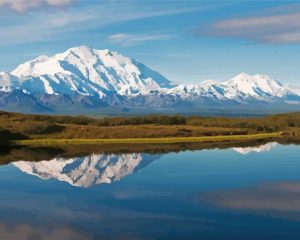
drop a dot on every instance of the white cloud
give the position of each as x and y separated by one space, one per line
59 2
132 39
26 5
279 28
286 20
288 37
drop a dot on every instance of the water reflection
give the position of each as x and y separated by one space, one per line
158 203
28 232
89 170
95 169
258 149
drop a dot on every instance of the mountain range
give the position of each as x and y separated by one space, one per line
89 170
96 169
85 80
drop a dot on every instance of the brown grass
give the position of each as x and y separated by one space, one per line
20 126
71 131
212 139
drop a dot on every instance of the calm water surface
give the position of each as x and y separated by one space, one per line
237 193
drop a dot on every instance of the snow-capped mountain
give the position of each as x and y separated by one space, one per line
241 88
86 79
88 72
258 87
87 171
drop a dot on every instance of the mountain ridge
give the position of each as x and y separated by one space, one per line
87 79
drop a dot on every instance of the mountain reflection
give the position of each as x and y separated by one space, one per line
87 171
103 168
258 149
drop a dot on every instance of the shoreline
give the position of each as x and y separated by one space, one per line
165 140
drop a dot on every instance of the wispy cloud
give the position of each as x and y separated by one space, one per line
277 29
82 16
133 39
42 26
65 18
26 5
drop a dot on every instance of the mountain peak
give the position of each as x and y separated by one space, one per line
209 83
42 58
87 51
89 72
81 48
82 51
260 87
242 76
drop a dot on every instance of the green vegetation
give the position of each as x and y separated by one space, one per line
40 129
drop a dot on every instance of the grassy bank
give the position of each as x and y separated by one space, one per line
23 129
165 140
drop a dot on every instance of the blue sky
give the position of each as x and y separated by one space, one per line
186 40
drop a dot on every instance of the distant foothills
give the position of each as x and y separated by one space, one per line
87 81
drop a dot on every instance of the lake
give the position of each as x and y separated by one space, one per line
230 193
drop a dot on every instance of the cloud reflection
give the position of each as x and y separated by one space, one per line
280 199
29 232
